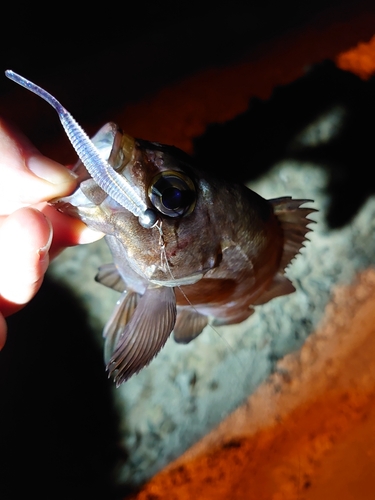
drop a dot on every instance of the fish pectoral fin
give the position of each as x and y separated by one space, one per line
145 334
109 276
280 285
116 324
189 325
294 222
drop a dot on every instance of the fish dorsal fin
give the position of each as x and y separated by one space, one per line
145 334
109 276
294 223
189 325
120 317
280 285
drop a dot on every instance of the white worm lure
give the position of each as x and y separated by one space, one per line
115 185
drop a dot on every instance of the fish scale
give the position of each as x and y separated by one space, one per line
187 247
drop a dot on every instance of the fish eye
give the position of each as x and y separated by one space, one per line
172 193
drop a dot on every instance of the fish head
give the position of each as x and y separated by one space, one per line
179 249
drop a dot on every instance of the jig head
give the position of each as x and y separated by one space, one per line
112 183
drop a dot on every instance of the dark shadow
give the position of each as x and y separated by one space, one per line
59 436
143 44
249 145
98 61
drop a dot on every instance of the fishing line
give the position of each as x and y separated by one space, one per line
158 225
113 184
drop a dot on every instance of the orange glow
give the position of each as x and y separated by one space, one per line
278 463
307 452
359 60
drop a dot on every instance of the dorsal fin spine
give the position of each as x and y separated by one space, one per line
294 222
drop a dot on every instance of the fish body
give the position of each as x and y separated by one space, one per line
216 250
185 245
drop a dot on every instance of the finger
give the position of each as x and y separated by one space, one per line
68 231
25 239
26 176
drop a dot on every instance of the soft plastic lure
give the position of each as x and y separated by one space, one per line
111 182
217 250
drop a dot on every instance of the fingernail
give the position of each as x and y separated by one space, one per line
43 251
88 235
50 170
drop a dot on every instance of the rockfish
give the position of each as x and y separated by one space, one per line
187 247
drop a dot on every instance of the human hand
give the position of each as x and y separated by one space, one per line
31 231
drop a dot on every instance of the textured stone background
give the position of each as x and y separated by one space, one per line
308 138
187 390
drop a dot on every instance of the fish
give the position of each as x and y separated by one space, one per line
195 249
218 251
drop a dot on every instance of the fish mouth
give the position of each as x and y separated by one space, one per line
117 149
114 146
106 177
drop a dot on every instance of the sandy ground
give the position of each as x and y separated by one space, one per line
304 365
308 431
